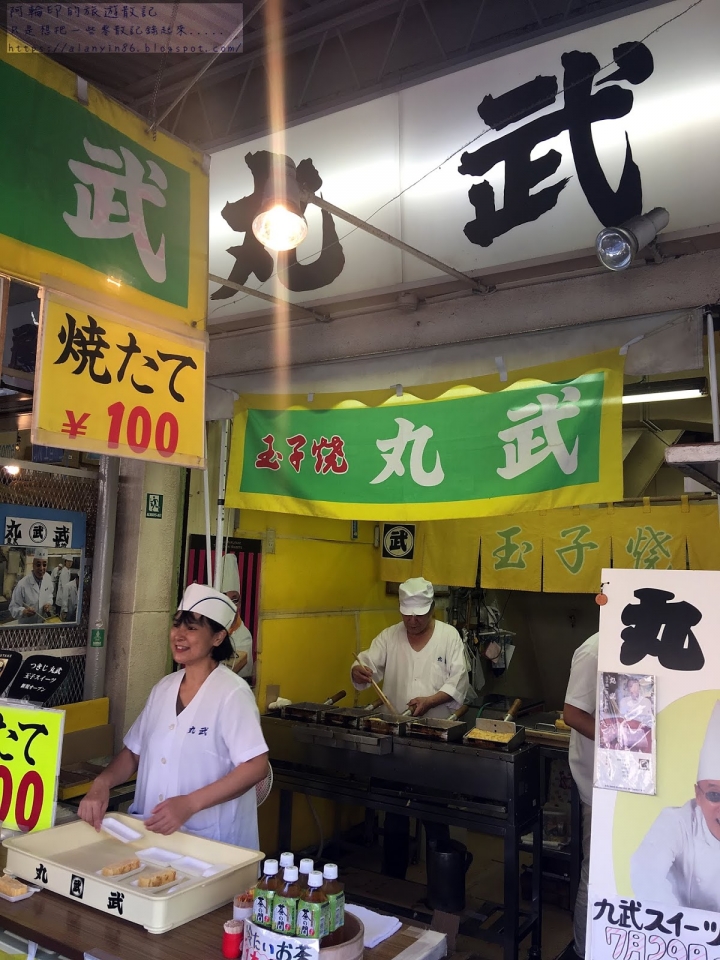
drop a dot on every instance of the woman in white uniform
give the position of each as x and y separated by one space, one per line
678 861
197 746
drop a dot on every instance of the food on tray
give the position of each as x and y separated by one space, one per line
12 887
157 879
124 866
476 734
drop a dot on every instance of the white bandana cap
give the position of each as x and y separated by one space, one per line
709 766
416 596
210 603
68 557
40 554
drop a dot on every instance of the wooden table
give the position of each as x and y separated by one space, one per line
57 923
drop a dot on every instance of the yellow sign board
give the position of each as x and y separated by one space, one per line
30 749
106 385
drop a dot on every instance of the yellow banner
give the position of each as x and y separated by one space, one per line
106 386
703 536
576 547
649 538
511 552
30 748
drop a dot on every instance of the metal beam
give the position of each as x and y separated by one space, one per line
241 288
341 214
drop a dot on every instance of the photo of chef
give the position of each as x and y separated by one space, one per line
627 713
678 860
40 586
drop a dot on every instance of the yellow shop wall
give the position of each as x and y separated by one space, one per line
321 601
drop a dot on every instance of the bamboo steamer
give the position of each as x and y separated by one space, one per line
352 946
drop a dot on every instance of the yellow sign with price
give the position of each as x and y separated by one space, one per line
30 749
108 385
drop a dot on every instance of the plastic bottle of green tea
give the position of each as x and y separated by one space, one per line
265 894
306 868
287 860
285 903
313 912
335 893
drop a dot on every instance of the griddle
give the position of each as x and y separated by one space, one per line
310 712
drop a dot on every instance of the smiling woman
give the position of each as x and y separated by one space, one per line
197 746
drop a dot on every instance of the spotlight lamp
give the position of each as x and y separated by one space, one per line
617 247
280 225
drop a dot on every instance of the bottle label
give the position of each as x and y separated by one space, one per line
336 903
262 907
312 920
284 910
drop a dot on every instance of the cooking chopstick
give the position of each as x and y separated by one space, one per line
382 696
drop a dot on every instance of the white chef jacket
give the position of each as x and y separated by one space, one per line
582 693
242 643
439 666
640 710
218 730
70 600
63 581
678 861
29 593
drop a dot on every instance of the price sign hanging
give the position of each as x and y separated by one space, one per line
30 749
107 385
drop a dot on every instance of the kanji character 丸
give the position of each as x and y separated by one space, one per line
85 345
392 451
13 532
657 628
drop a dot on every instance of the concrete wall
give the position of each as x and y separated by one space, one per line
144 588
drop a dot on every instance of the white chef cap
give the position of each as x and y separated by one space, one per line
709 765
68 557
40 554
231 575
416 596
210 603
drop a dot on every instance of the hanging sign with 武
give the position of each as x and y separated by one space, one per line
30 749
552 437
106 385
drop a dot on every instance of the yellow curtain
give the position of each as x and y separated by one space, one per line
576 547
396 570
703 536
511 552
452 550
649 537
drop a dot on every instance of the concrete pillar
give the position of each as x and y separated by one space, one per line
144 587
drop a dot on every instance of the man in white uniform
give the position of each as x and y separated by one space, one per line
63 581
31 599
241 638
422 664
579 714
68 612
678 861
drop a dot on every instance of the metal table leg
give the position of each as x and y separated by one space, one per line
511 893
536 936
285 820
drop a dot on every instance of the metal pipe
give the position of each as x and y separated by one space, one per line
222 478
712 371
477 285
250 291
206 495
108 477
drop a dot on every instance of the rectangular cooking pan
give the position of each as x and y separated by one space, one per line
485 729
349 718
386 723
310 712
432 728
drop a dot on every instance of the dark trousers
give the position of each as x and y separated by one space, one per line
396 842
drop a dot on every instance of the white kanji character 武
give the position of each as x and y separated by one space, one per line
538 436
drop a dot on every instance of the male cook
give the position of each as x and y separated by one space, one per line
422 664
579 714
678 862
31 600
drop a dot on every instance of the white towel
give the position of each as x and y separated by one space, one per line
378 927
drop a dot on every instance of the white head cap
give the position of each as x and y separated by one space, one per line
210 603
416 596
709 765
231 576
68 557
40 554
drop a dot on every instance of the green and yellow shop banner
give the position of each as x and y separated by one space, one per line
558 551
551 437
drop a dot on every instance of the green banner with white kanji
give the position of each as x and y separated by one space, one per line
550 437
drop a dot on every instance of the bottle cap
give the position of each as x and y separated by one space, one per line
287 859
271 868
290 875
306 865
315 879
331 871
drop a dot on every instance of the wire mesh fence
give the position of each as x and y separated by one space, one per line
58 491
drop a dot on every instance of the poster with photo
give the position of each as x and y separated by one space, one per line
625 737
41 566
655 858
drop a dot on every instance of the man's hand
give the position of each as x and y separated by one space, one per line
29 612
94 804
421 705
361 674
170 815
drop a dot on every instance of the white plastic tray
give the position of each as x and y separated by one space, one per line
23 896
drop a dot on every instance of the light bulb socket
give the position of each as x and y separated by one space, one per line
637 233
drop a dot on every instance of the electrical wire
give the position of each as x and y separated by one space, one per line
511 119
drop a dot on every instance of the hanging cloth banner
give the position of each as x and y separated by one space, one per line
576 547
551 438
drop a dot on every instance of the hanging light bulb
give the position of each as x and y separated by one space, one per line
280 225
617 247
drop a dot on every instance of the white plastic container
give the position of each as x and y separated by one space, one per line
67 859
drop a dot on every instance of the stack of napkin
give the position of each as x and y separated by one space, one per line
378 927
